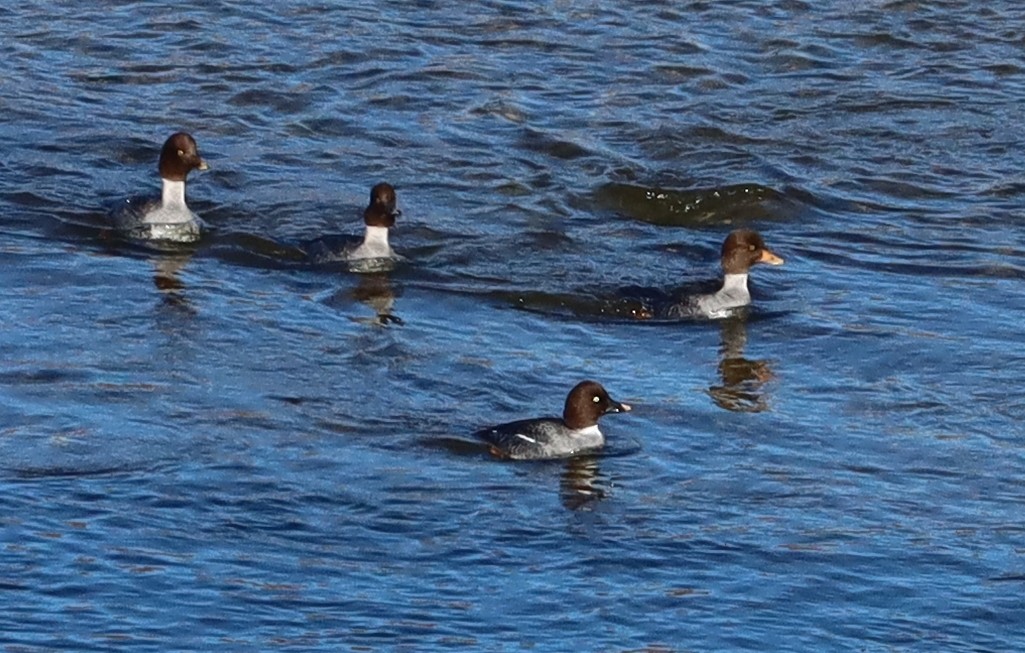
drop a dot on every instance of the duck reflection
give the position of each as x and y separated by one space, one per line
743 380
582 483
166 271
375 290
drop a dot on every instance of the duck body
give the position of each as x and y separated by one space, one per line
722 303
378 218
167 218
553 437
741 250
541 438
334 248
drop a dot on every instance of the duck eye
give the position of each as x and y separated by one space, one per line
751 247
596 399
181 152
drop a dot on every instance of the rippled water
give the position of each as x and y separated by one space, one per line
221 448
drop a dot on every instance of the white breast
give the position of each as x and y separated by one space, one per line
375 245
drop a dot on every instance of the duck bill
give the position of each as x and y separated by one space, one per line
770 258
616 407
202 165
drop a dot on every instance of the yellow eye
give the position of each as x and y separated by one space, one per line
751 247
596 399
181 152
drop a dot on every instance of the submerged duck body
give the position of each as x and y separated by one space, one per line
552 437
167 218
741 250
379 217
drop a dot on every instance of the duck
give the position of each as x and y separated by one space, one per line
742 250
169 217
543 438
379 217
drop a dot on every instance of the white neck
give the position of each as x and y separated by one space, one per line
174 194
733 294
375 244
587 438
589 431
735 283
172 209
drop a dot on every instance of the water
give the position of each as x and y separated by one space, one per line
223 448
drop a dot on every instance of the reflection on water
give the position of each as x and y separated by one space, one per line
582 483
166 271
375 290
743 380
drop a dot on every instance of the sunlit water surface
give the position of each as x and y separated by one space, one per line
224 448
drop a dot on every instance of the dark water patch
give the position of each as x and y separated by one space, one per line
255 251
680 72
702 207
715 134
502 109
43 376
285 102
48 473
552 146
26 199
905 190
690 146
915 259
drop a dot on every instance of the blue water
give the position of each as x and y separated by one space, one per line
224 448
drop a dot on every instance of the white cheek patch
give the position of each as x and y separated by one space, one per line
523 437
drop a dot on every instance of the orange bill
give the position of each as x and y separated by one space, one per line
770 258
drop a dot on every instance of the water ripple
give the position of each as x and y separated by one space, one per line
282 451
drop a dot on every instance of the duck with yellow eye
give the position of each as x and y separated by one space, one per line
554 437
